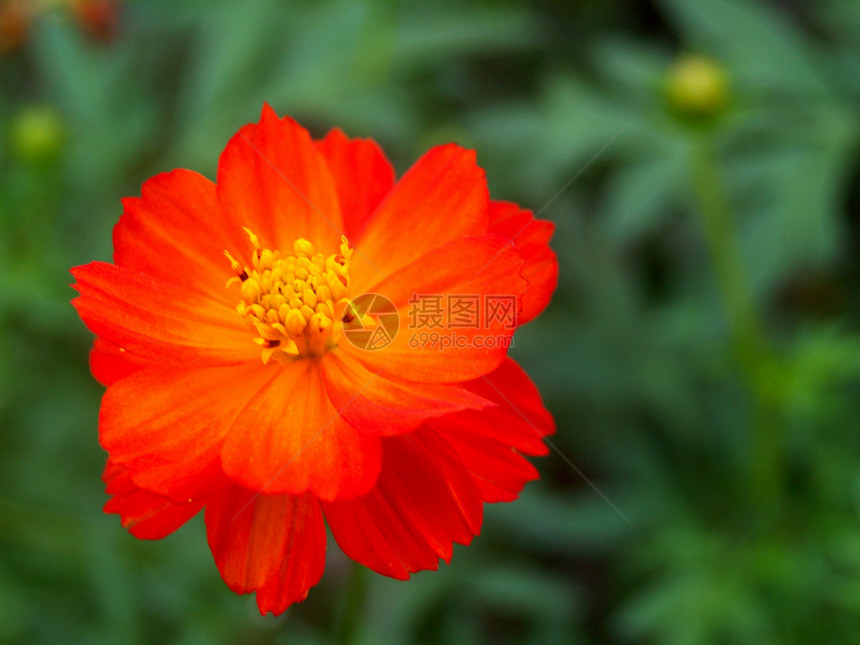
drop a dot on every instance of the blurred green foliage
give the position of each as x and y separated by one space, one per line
649 524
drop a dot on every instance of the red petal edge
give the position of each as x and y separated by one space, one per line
491 443
423 502
271 544
145 515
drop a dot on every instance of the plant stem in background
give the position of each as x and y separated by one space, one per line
753 353
351 606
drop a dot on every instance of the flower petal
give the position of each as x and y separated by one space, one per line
145 515
423 502
167 425
498 470
486 268
378 405
291 439
491 443
443 197
531 237
271 544
362 176
109 363
272 179
175 232
158 320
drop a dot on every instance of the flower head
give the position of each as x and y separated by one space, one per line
226 334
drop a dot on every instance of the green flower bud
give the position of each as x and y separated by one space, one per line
696 88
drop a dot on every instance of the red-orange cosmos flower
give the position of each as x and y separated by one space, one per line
231 385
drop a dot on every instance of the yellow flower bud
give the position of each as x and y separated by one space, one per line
696 87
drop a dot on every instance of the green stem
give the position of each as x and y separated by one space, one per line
352 606
756 361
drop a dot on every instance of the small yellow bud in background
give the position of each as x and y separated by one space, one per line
696 87
37 134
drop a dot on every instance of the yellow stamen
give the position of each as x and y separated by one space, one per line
289 302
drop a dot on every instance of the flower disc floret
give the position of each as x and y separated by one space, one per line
290 302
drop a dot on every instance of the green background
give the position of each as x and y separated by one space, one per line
705 484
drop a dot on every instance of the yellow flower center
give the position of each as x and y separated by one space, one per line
291 302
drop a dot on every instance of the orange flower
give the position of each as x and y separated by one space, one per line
100 18
233 384
16 18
